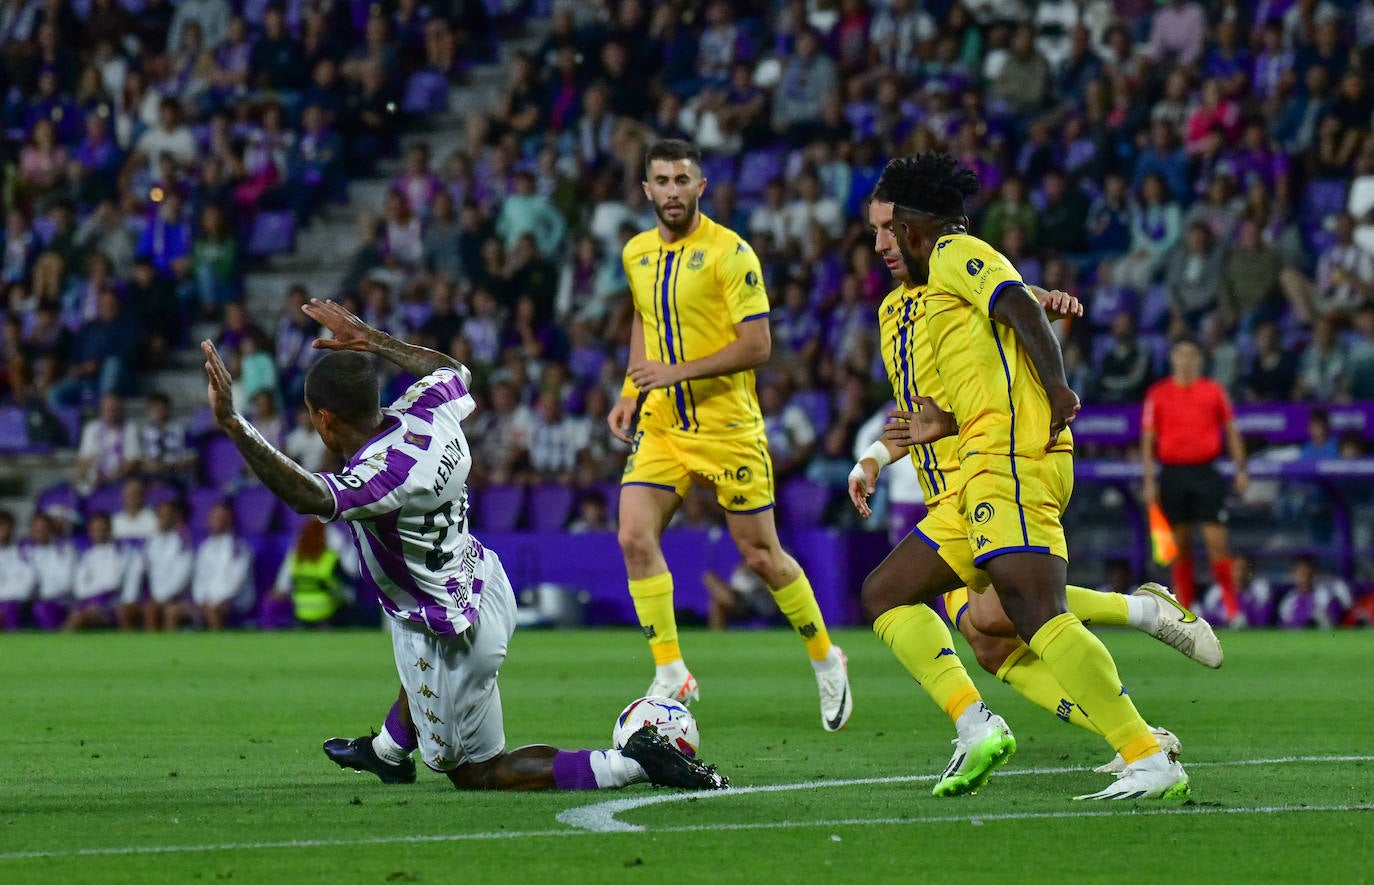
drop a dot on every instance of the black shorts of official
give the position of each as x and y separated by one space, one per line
1192 493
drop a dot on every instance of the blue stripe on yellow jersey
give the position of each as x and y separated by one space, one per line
690 295
910 371
995 392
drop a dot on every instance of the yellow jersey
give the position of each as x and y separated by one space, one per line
911 371
994 390
690 295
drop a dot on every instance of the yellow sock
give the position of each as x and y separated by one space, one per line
1024 671
1097 608
1087 672
922 643
798 602
653 598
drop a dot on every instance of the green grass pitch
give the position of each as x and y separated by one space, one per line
197 758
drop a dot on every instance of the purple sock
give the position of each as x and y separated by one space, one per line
49 615
572 770
9 615
405 738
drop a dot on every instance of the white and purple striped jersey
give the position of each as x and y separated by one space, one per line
404 495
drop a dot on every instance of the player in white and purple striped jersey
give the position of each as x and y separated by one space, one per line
403 493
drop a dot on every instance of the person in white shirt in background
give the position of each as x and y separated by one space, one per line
162 573
53 559
222 577
304 445
109 447
101 572
17 577
135 521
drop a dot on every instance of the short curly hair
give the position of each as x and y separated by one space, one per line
932 183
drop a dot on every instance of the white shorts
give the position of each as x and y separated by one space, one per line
451 680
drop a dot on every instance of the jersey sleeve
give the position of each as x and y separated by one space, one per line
376 486
973 270
438 387
741 279
1225 413
1147 411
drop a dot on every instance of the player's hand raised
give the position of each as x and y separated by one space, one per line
350 332
221 387
1064 407
927 425
1061 305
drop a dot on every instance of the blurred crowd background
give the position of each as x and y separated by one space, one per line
1185 168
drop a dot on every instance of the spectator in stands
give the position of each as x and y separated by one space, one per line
17 578
101 572
1325 364
162 442
743 596
501 435
1165 158
1321 444
1345 275
53 559
1155 228
170 137
1249 289
109 449
1273 370
1361 377
215 262
165 563
221 578
310 579
1314 599
592 515
557 440
211 16
808 80
791 435
304 445
1125 370
135 520
105 356
1177 32
528 212
1193 274
1063 213
1011 210
1108 223
1118 577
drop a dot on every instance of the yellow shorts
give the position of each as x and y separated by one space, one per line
1015 505
944 529
739 469
953 605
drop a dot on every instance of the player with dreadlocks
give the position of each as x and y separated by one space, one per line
987 339
910 629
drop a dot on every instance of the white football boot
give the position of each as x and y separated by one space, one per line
1154 777
1168 742
837 702
985 743
684 691
1180 628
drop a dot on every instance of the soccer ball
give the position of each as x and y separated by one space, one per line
671 718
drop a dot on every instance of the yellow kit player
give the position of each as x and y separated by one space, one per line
689 410
979 617
1010 406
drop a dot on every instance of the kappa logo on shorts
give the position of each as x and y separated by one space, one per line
423 664
697 261
438 740
426 692
442 762
429 714
738 501
973 267
982 514
981 542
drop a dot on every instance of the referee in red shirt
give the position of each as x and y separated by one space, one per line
1185 418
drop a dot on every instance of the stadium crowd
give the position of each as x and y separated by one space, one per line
1186 169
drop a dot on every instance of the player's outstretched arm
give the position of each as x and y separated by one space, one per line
1058 305
1018 308
351 333
303 491
752 347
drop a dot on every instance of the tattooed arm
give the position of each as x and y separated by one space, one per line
351 333
303 491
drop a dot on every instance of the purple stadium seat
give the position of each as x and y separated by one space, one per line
718 169
802 503
1154 309
272 234
254 508
221 462
70 419
758 168
61 495
426 93
550 507
1322 198
105 499
199 504
14 430
160 492
498 508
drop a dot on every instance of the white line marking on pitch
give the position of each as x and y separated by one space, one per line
620 827
600 817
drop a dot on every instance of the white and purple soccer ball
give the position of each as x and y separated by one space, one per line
670 717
